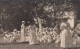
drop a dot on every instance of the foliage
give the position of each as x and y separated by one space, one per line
13 12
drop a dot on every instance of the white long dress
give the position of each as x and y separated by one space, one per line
22 33
33 38
66 38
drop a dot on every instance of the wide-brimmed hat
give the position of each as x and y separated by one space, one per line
65 17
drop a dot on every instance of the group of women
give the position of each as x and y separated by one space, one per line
68 37
10 37
47 35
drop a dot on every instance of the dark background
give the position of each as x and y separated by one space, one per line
12 12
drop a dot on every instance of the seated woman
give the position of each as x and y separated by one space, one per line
77 35
45 38
49 37
6 37
55 34
13 37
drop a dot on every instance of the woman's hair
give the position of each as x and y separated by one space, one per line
64 20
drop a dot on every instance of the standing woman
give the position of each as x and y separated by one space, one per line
32 36
23 31
66 37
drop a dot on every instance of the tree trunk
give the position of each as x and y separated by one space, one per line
40 24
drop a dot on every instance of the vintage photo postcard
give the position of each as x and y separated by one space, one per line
39 24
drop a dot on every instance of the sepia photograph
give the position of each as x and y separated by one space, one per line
39 24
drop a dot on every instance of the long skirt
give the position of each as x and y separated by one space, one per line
66 39
22 35
33 39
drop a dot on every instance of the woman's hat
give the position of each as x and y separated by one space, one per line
15 30
23 21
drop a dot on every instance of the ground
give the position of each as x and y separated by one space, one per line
26 46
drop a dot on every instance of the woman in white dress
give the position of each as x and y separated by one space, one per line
6 37
22 31
77 29
50 39
14 35
32 35
45 37
66 38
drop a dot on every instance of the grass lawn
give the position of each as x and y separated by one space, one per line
26 46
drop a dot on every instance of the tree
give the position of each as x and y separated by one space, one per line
48 10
